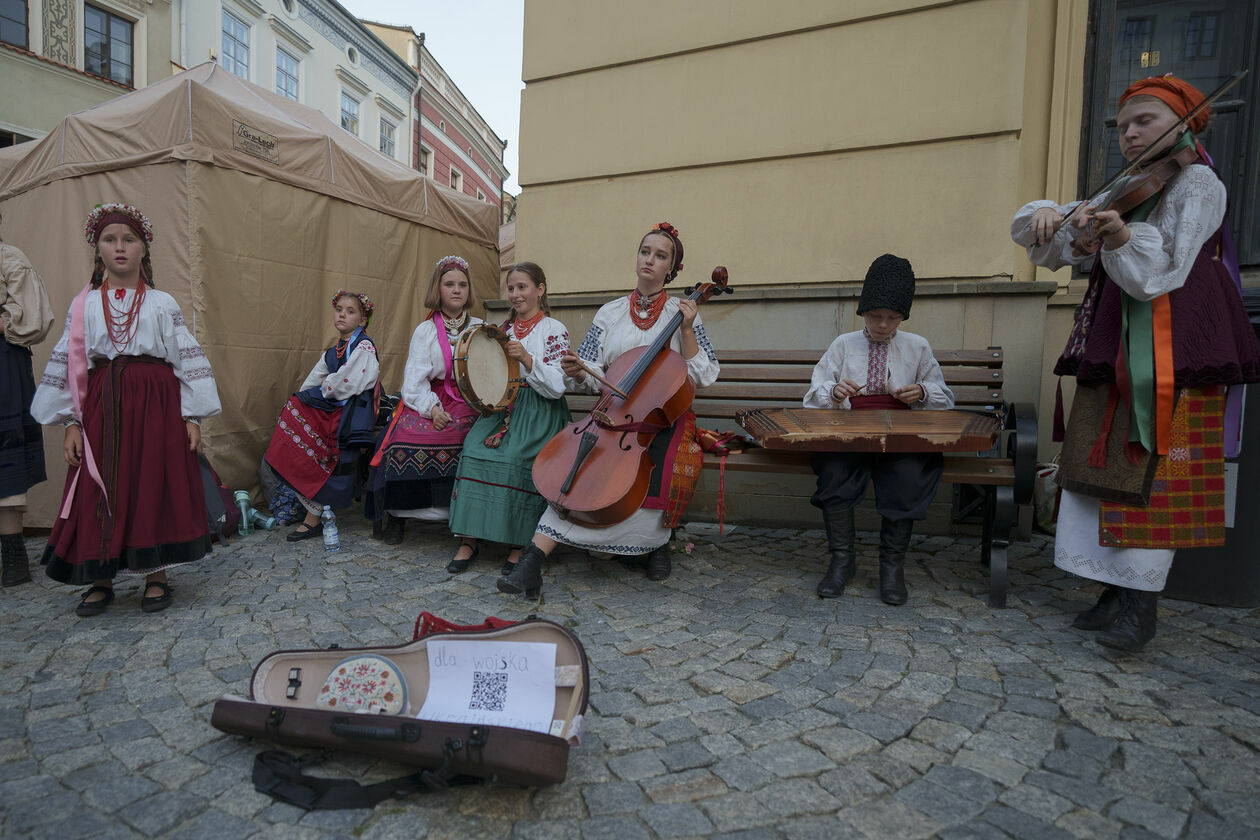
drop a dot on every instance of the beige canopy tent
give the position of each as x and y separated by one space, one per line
261 208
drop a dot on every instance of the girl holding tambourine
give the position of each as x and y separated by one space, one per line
415 463
494 497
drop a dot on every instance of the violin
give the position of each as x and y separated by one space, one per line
1144 176
596 471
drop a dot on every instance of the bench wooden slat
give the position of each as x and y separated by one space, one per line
982 398
800 373
978 358
959 469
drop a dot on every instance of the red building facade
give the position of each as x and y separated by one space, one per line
451 142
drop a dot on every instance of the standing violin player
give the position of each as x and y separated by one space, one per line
621 325
1157 340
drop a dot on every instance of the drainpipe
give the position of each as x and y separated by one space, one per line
419 88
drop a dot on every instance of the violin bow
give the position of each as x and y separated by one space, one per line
1146 153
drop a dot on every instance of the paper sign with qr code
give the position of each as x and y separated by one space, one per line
492 682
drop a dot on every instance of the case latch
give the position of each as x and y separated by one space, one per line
294 683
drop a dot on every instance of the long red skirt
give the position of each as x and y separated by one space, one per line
157 514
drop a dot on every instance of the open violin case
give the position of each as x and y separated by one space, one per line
367 700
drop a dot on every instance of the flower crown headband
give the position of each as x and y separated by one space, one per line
458 262
672 232
365 302
104 215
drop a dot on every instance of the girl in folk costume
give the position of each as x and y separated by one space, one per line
1158 339
324 426
131 386
417 460
621 325
878 367
25 317
494 496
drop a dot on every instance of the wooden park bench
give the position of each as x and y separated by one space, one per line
1000 479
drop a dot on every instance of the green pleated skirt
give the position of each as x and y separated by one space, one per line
494 497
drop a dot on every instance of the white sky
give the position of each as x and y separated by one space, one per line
478 43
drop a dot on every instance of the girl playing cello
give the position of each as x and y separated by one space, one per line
621 325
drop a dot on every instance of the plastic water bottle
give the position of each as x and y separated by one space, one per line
260 520
242 502
331 541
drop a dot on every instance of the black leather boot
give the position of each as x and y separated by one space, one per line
392 530
838 522
1102 614
894 540
17 567
659 564
1135 625
527 576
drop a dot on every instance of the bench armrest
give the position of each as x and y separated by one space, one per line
1019 426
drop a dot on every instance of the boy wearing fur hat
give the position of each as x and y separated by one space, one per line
877 367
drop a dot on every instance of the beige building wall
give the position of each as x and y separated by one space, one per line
794 143
46 82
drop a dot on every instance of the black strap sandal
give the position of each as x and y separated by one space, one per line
460 564
311 532
156 603
88 608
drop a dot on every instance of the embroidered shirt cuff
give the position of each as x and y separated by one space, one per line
196 420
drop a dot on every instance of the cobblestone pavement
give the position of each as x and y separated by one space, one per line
727 701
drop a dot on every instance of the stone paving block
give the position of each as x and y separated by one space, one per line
793 797
721 744
941 734
686 755
885 818
1023 826
637 765
941 804
1004 770
1204 826
1143 760
1036 801
974 830
687 786
1151 816
214 825
1087 794
1072 764
162 811
1086 823
840 743
522 830
677 820
675 729
614 828
789 758
1083 742
612 798
735 812
742 773
111 794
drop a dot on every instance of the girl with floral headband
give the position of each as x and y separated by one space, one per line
495 498
131 386
324 427
627 322
416 462
1159 346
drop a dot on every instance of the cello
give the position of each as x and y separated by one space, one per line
596 471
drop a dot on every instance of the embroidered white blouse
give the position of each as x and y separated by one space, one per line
1160 251
425 364
910 362
160 332
613 332
547 343
356 375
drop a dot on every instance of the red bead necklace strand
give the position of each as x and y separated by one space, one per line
122 327
654 310
523 327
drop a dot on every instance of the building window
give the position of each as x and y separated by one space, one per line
235 57
457 179
107 45
14 23
481 196
1136 39
12 138
426 161
350 113
286 75
387 137
442 125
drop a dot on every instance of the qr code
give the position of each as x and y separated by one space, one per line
489 691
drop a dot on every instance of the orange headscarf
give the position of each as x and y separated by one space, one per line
1181 96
